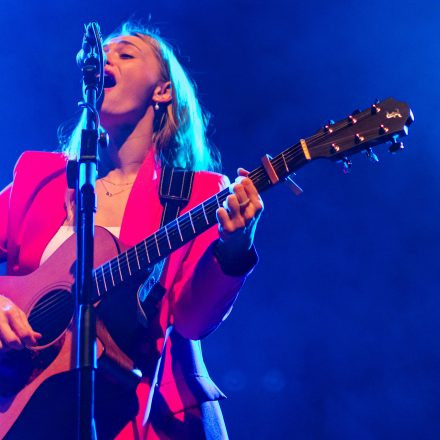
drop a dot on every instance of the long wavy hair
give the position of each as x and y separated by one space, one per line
179 127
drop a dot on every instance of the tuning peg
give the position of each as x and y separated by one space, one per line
352 119
334 148
371 155
383 129
410 119
395 147
358 138
346 165
375 108
328 127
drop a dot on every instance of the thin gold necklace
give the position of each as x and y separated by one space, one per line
111 194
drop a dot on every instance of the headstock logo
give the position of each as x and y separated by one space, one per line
394 114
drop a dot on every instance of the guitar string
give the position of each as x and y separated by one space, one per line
49 303
44 308
184 223
322 142
41 313
161 235
55 317
49 299
52 297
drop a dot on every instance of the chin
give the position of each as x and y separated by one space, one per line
113 117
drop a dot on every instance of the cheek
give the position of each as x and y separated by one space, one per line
144 80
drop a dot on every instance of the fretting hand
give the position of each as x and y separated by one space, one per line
238 219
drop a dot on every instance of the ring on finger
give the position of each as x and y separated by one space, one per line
244 203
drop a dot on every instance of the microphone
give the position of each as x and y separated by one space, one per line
91 59
91 40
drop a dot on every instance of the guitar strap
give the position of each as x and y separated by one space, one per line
174 191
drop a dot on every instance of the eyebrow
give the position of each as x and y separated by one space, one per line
124 42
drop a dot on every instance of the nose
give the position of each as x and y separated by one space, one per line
108 57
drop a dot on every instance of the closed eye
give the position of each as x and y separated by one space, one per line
126 56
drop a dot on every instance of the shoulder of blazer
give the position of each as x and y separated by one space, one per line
40 163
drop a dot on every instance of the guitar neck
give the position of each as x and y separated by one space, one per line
382 122
184 228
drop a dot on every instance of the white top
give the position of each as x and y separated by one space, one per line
63 234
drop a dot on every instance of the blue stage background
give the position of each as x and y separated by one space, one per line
336 334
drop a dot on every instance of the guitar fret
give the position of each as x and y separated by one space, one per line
204 213
217 200
137 258
168 238
119 267
178 228
103 277
97 285
191 220
128 263
285 163
157 245
111 273
146 251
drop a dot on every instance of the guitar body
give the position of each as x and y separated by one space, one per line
46 296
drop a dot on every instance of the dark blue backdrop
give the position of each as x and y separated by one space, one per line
336 334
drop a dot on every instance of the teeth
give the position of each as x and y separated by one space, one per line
109 81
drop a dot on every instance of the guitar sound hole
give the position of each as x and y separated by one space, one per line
51 315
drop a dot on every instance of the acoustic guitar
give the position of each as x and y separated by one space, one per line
46 294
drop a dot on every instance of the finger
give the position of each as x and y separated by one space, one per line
233 207
242 197
252 194
8 336
249 200
223 219
35 335
23 330
242 172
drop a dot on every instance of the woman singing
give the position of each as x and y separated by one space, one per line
153 119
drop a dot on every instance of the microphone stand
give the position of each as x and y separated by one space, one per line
91 60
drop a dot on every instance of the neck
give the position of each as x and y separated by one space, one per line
129 145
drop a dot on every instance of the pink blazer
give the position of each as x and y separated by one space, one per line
199 295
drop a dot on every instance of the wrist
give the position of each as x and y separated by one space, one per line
233 261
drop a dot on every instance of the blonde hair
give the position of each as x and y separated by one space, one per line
180 126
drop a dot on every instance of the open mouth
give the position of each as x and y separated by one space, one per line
109 81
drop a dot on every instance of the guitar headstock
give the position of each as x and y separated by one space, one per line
384 121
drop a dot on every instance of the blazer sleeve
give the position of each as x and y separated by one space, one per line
202 294
4 209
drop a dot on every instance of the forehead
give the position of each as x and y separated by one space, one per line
128 41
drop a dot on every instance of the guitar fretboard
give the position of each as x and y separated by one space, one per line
184 228
384 121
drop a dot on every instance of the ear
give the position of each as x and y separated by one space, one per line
162 93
